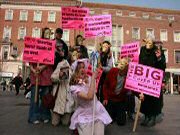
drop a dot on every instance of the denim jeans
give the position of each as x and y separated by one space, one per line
37 111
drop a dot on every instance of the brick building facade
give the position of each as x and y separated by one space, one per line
27 18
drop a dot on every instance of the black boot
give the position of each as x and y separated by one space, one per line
145 121
151 122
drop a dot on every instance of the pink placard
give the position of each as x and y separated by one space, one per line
131 51
37 50
144 79
72 17
97 26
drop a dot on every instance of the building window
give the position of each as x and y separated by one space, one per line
114 35
52 34
91 12
166 54
150 33
36 32
14 51
158 17
117 36
171 18
5 52
37 16
65 35
163 35
145 15
21 33
23 15
136 33
7 33
119 13
177 36
51 16
9 14
105 12
177 56
132 14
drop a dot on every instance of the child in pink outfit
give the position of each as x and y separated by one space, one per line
83 116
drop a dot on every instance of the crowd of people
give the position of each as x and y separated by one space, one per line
75 90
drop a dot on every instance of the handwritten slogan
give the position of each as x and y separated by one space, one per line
131 51
72 17
97 26
37 50
144 79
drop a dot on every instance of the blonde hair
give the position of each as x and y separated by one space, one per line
76 75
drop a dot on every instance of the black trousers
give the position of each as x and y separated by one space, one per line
117 111
17 90
130 104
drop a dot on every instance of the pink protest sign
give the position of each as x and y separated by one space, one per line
72 17
144 79
37 50
131 51
97 26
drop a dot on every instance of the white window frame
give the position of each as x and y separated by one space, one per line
3 51
7 30
138 37
132 14
175 39
162 38
91 12
105 12
158 16
19 33
152 32
23 15
52 16
34 34
118 13
145 15
37 16
65 36
177 50
171 18
8 15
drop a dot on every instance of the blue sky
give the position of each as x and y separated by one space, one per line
165 4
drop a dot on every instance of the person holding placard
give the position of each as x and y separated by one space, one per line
37 111
114 92
151 55
105 62
78 51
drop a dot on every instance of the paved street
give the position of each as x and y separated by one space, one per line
14 113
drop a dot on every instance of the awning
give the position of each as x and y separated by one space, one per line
175 71
6 74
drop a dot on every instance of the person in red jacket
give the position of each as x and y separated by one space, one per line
114 92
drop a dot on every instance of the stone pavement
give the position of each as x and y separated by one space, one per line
14 114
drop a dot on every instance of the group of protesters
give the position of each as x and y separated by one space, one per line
74 89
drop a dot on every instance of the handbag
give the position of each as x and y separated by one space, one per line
48 100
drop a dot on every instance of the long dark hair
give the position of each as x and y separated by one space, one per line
105 55
43 31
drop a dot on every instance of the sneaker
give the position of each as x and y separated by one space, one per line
36 122
46 121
